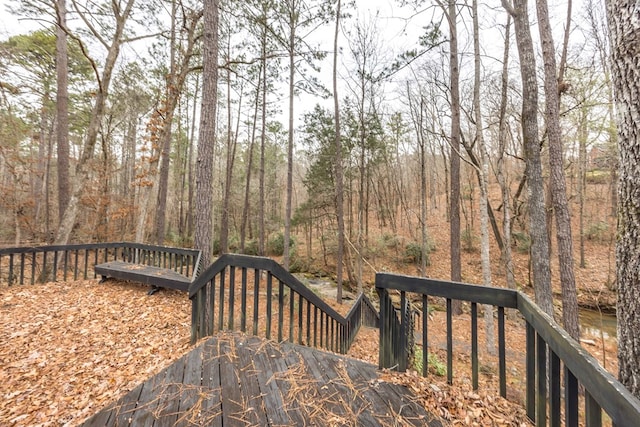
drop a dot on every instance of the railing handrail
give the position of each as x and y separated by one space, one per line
107 245
507 298
269 265
600 383
611 395
189 258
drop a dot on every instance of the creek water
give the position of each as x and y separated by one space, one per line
594 323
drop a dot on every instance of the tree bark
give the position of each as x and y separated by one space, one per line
502 175
62 107
541 269
454 219
558 180
207 139
625 48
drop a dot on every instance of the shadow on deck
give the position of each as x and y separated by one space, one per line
236 380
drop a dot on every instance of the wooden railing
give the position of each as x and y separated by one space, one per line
553 358
257 295
39 264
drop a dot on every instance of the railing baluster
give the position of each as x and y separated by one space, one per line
308 323
570 398
554 389
33 267
280 308
10 278
474 345
75 268
502 354
425 340
223 276
256 299
22 268
531 372
243 301
232 288
54 275
65 265
291 310
404 316
541 401
449 343
593 412
211 307
299 319
269 292
43 275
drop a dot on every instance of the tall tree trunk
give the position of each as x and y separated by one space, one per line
483 171
293 18
558 180
190 203
454 220
247 187
83 171
263 139
62 107
339 188
537 216
625 70
502 174
207 139
175 82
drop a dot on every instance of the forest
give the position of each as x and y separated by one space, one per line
343 137
143 63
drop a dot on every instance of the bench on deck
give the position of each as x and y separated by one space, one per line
160 267
155 276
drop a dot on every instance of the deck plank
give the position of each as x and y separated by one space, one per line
211 406
232 379
251 393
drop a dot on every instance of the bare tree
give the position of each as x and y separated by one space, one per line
558 180
121 13
338 162
483 171
501 172
207 138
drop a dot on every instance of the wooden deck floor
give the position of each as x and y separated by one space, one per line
235 380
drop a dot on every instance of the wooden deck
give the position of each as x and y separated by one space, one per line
235 380
149 275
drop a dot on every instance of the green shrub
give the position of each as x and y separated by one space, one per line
523 241
435 364
598 176
598 231
413 252
275 244
251 247
468 240
390 241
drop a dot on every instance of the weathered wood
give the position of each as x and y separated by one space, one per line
238 380
148 275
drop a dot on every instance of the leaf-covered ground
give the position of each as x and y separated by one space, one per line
68 349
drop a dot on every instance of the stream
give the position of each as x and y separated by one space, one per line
594 323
